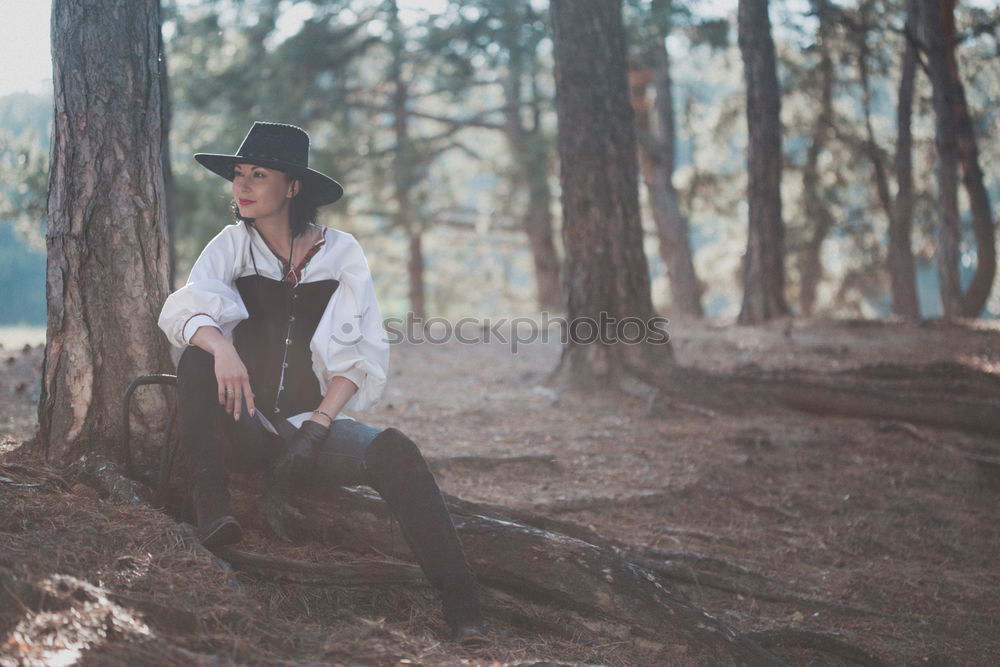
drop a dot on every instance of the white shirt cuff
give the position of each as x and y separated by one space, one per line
355 375
192 325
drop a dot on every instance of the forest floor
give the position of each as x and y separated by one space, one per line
883 533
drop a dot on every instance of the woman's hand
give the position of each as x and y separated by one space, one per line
230 372
293 470
234 382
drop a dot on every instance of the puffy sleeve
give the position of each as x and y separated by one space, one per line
209 298
351 340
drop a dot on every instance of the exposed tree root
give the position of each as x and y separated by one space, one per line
504 544
684 568
109 479
613 589
767 590
489 462
644 499
526 621
533 557
557 569
817 641
191 542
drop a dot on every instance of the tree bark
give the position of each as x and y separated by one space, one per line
817 212
656 157
107 247
899 233
415 269
763 273
978 292
607 276
403 167
902 271
937 18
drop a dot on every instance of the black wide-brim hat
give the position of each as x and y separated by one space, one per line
281 147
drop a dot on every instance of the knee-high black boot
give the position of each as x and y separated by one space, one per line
397 470
200 442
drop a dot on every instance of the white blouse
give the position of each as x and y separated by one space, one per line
350 340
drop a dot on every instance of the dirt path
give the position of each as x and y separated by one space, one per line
883 532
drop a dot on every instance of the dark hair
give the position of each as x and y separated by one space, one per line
302 212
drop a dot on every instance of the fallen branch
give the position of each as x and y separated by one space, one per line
944 394
941 394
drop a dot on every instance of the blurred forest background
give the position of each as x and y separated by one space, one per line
438 116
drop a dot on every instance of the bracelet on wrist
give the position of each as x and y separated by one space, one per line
320 412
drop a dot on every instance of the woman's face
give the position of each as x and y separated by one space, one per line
262 193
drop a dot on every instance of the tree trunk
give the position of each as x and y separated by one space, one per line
902 273
107 248
607 276
816 210
763 273
656 157
900 254
403 166
415 269
536 564
978 291
938 33
538 225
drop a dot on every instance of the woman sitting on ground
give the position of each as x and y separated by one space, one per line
281 331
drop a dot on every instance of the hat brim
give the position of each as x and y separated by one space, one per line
319 187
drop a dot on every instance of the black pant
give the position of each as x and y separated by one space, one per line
353 454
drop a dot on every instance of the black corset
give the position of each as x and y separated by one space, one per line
274 341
